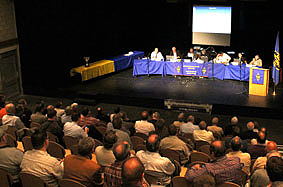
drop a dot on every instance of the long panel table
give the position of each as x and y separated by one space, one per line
208 69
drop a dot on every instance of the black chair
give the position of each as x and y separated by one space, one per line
199 156
179 181
70 183
30 180
69 141
56 150
200 143
52 137
171 154
5 178
27 143
137 141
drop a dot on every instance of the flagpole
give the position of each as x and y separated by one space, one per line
274 92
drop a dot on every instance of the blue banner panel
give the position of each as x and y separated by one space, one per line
258 76
174 68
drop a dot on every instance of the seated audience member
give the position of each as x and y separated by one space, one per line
256 61
101 116
37 116
274 168
127 125
116 111
156 55
87 119
236 132
228 129
26 112
249 134
38 162
245 158
214 128
180 120
223 169
155 117
260 162
133 172
155 165
161 129
113 173
104 154
174 143
52 125
80 167
58 108
67 116
258 149
143 126
73 129
203 134
121 135
189 127
222 58
10 119
204 181
259 177
10 157
3 111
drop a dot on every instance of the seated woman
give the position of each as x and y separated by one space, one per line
256 61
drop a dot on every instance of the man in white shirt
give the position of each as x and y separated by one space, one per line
73 129
203 134
143 126
156 55
10 119
222 58
38 162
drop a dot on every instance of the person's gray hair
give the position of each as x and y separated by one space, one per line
86 146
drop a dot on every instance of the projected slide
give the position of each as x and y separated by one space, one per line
211 25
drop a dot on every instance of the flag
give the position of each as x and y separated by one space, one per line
276 62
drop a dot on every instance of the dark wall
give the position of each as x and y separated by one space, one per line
54 35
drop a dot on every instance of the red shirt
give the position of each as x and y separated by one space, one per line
3 112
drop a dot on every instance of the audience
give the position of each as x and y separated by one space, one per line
174 143
132 173
10 157
73 129
189 127
10 119
80 167
245 158
38 162
113 173
104 154
155 165
143 126
223 169
202 134
113 158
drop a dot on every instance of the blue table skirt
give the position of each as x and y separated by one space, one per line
219 71
122 62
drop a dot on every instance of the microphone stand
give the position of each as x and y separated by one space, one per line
240 69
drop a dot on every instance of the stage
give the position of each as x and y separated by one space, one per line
228 97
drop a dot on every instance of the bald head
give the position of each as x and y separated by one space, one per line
144 115
121 150
215 121
181 116
250 125
202 125
236 143
10 108
271 146
261 138
152 143
234 120
132 171
191 119
218 148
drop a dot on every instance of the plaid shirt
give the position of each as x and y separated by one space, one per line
226 169
113 174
